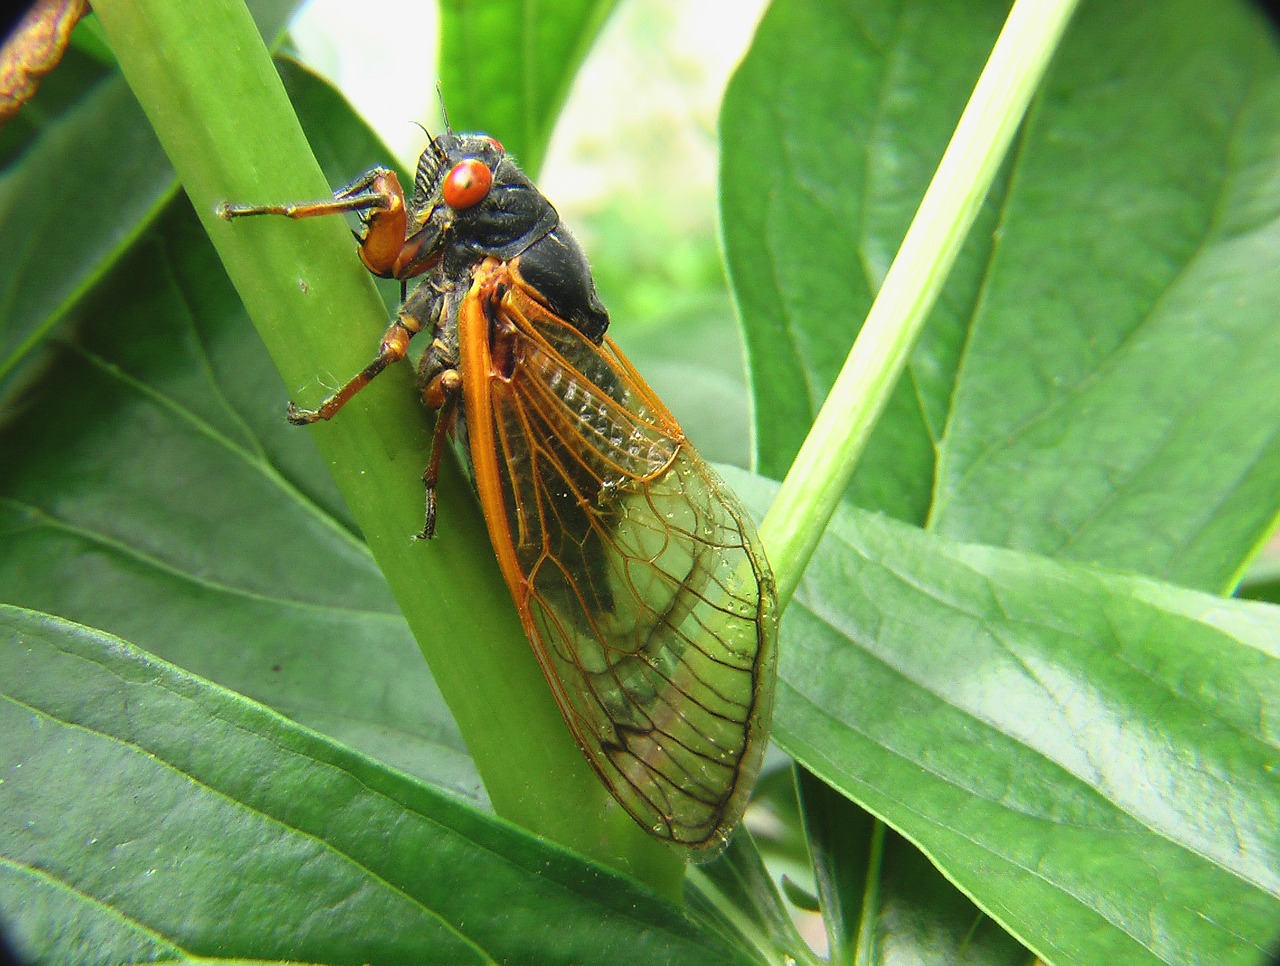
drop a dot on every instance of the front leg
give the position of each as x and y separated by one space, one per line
376 196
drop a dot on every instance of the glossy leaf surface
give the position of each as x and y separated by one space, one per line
263 839
226 549
91 178
1096 382
1089 755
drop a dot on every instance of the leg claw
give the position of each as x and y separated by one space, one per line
301 417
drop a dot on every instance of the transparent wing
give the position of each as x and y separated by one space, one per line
638 575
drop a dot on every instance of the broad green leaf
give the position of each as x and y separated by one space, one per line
156 491
921 919
830 131
1130 316
506 66
74 203
882 114
1098 380
884 902
263 840
92 177
1089 755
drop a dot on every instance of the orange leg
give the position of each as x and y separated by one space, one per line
395 344
376 195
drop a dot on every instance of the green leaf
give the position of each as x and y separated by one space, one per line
830 131
59 91
225 121
91 178
921 918
798 896
70 203
883 901
263 840
241 562
156 491
1088 755
1115 309
847 845
506 66
736 894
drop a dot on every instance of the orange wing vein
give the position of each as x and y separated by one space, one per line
638 576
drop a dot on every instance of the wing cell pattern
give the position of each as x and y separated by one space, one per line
644 588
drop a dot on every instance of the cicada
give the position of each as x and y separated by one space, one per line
637 574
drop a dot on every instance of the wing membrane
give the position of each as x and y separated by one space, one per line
638 576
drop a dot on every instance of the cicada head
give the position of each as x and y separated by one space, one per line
471 199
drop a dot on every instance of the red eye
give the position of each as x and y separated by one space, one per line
467 183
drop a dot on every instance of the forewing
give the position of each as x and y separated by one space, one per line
638 575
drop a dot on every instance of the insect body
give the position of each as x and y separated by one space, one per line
637 575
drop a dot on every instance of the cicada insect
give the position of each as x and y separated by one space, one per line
638 576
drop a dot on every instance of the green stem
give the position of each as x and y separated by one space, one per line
865 950
203 76
821 472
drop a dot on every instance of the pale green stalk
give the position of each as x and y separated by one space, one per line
825 463
208 86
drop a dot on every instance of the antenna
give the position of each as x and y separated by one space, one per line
444 111
423 129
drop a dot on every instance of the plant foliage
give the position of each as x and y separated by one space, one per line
1029 720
